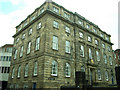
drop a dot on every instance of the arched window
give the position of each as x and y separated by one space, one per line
35 68
54 68
26 70
19 70
67 70
13 72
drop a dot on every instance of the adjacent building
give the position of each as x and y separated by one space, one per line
5 59
54 47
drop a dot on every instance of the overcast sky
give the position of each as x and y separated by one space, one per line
103 13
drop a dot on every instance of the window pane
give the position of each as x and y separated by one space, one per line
55 42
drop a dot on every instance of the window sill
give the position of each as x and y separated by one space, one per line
56 27
67 76
55 49
55 75
35 75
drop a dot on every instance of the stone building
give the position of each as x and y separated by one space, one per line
5 59
53 46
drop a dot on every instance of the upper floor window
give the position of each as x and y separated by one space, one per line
87 26
94 30
90 53
96 41
19 71
67 29
32 18
54 68
35 68
105 58
21 51
28 47
30 31
99 75
102 35
41 10
106 75
67 47
108 48
103 45
23 36
107 38
82 50
39 25
13 72
37 43
55 24
89 39
80 22
26 70
55 9
66 15
98 56
67 70
17 40
82 69
55 43
19 28
81 34
25 24
110 60
15 54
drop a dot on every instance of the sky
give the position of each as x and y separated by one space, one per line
103 13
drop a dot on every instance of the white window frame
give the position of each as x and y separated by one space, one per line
82 50
21 51
35 68
55 43
26 70
37 43
19 71
54 68
39 25
55 24
67 70
67 46
81 34
67 29
28 47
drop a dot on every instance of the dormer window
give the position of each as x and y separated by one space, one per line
55 9
87 26
80 22
32 18
66 15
